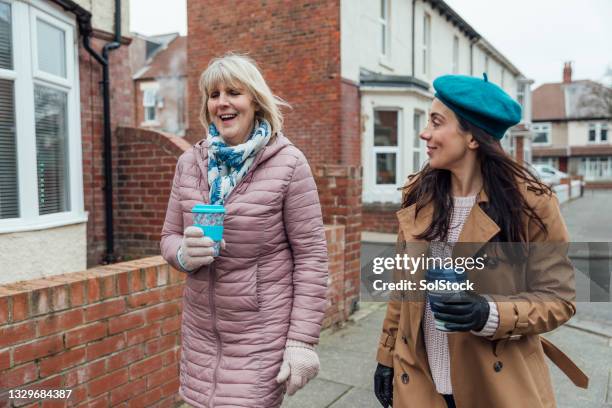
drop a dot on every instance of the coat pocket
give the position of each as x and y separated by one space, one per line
237 288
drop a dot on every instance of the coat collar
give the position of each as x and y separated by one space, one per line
478 227
200 150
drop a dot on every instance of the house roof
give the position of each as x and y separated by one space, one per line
168 62
567 101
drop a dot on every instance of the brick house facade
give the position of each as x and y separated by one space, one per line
297 46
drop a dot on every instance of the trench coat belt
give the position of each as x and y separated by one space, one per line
565 364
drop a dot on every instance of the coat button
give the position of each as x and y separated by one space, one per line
498 366
405 378
404 339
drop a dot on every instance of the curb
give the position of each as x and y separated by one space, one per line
589 326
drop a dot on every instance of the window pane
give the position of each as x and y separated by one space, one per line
541 137
150 113
6 38
591 135
51 149
604 134
416 124
385 128
383 9
9 193
51 49
385 168
416 161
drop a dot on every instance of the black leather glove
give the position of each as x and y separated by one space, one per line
383 385
469 311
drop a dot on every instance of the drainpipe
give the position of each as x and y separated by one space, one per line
84 22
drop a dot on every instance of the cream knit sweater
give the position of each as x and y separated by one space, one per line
436 342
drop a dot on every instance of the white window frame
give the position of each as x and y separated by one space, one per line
542 127
422 148
598 126
373 192
149 100
150 86
26 75
387 149
455 67
590 167
426 44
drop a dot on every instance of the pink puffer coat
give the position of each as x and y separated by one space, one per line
267 285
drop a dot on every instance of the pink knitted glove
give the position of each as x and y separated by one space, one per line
300 365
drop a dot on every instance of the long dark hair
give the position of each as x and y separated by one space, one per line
501 178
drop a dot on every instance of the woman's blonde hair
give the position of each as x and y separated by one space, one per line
241 71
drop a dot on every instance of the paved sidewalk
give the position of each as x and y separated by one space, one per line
348 363
348 355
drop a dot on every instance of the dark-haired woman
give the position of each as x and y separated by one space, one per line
490 353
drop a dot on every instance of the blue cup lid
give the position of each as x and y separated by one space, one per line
208 209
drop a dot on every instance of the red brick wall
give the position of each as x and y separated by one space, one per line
380 217
109 334
340 194
336 306
122 100
145 169
297 46
350 146
519 149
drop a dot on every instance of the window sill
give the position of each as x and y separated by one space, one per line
149 124
42 223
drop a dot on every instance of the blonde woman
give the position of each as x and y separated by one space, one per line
252 315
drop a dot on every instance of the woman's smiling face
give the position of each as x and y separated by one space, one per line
447 146
232 110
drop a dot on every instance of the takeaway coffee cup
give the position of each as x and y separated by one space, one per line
209 218
440 284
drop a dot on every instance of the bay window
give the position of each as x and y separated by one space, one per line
40 146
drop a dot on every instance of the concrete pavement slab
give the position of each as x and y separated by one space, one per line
357 397
317 393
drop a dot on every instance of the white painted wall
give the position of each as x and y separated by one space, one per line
36 254
494 74
361 48
103 14
360 42
578 132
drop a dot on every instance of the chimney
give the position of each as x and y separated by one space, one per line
567 72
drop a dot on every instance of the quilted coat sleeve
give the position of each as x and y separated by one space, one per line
172 232
550 302
304 226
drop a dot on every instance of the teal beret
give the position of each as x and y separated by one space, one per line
478 101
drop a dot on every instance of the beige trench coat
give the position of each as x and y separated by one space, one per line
507 369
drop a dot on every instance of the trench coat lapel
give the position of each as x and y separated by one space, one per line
478 229
411 227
